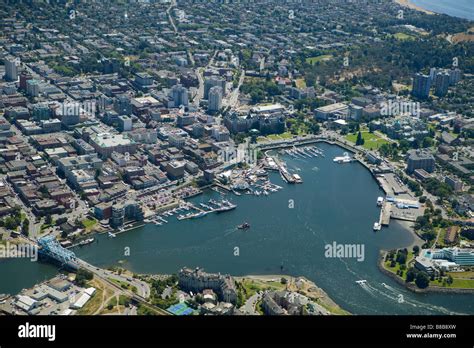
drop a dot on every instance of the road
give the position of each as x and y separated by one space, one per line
199 73
249 306
170 17
233 99
143 289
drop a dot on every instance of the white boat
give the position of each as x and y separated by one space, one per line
362 281
343 159
379 201
377 226
112 235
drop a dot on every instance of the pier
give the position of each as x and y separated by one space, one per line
285 174
385 213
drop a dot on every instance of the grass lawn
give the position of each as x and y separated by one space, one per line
252 286
300 83
457 283
372 140
89 224
313 60
282 136
403 36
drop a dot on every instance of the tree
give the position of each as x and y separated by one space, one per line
449 280
25 227
416 249
422 280
360 140
411 274
82 276
401 258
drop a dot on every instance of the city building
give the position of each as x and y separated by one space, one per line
106 143
441 84
332 111
421 86
197 281
212 82
215 99
179 94
11 68
420 159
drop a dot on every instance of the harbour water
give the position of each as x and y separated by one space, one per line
456 8
289 230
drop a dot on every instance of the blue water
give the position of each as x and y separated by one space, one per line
456 8
336 203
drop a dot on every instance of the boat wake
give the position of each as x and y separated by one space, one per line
400 297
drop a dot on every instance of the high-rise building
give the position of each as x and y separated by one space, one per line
454 76
433 72
11 69
33 88
421 86
24 78
122 104
215 98
180 96
212 82
442 84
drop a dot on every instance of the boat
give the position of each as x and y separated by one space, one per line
244 226
87 241
225 207
111 235
377 226
198 215
362 281
163 220
379 201
343 159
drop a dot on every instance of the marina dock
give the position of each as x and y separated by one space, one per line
385 213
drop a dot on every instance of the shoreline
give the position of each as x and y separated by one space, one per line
417 240
410 5
412 287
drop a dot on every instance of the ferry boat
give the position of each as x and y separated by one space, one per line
297 179
377 226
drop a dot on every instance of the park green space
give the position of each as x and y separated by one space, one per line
371 140
313 60
403 36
